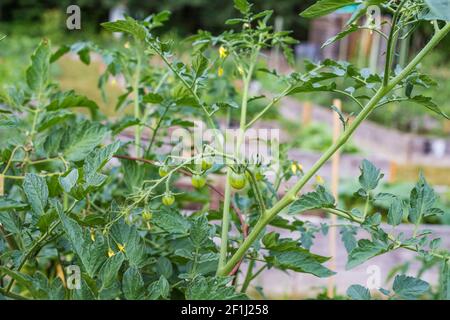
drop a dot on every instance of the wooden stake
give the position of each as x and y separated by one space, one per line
307 113
393 171
2 185
335 160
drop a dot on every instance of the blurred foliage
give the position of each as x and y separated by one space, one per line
25 12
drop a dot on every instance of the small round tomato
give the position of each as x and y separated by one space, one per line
147 215
206 164
168 199
163 171
198 181
237 180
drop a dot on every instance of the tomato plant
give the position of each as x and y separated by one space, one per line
65 203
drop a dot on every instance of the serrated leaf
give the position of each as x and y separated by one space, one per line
153 98
110 269
11 222
9 204
171 222
68 182
348 237
311 87
160 288
422 200
428 103
242 5
124 123
39 72
320 198
128 236
370 176
50 119
199 231
363 252
92 254
409 287
358 292
69 99
78 142
95 161
36 191
350 29
211 288
395 213
287 254
324 7
129 25
440 9
300 262
133 284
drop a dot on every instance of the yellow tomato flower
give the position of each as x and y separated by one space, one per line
126 45
241 71
319 180
294 168
92 235
121 247
220 72
222 52
111 253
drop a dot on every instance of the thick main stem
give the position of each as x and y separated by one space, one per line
227 199
291 195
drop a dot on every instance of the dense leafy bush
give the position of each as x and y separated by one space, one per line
66 202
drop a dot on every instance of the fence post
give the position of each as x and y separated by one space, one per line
307 113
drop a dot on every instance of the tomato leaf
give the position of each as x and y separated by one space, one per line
358 292
36 191
409 287
324 7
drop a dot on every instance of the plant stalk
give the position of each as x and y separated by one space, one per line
291 195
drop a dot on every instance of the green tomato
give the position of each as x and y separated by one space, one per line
168 199
198 181
237 180
147 215
206 164
163 171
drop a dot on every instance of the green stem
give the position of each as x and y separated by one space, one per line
257 192
391 43
366 206
291 195
349 216
227 198
155 131
225 222
137 113
248 276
